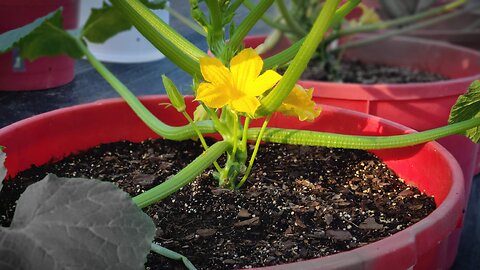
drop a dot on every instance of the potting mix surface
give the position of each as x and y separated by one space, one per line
354 71
299 202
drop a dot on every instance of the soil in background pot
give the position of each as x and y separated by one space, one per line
299 203
354 71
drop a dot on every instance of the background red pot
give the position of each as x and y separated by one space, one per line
45 72
425 245
420 106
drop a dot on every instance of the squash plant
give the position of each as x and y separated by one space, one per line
101 227
330 50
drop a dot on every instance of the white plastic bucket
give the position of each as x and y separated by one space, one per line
125 47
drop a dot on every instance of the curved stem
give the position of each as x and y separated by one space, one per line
247 24
200 137
166 131
271 102
294 26
312 138
267 19
254 154
344 10
378 37
245 131
235 135
395 22
172 255
191 24
287 55
174 46
185 176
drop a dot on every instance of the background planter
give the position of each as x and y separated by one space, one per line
420 106
425 245
44 72
125 47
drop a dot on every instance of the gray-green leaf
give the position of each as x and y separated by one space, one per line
104 23
43 37
63 223
468 107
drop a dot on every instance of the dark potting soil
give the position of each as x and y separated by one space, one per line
354 71
299 202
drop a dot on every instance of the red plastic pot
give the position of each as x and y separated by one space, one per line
45 72
424 245
420 106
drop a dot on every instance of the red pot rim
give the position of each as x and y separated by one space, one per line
405 240
406 91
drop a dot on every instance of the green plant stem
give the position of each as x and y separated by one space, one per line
267 19
254 154
288 54
289 20
271 102
200 137
235 135
378 37
191 24
245 129
215 36
185 176
166 131
270 42
178 49
344 10
395 22
312 138
283 57
222 129
172 255
247 24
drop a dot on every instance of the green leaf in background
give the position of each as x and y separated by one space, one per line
74 223
43 37
104 23
468 107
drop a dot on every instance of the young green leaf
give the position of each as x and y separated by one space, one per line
104 23
468 107
63 223
3 170
43 37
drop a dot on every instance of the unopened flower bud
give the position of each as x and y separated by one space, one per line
173 94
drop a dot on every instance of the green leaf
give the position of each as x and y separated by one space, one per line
74 223
3 170
468 107
104 23
43 37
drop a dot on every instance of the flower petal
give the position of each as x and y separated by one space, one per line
212 95
246 104
299 103
214 71
245 68
264 82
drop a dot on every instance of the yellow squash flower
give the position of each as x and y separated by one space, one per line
299 103
238 86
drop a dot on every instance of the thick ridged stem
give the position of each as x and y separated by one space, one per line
183 177
312 138
164 130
